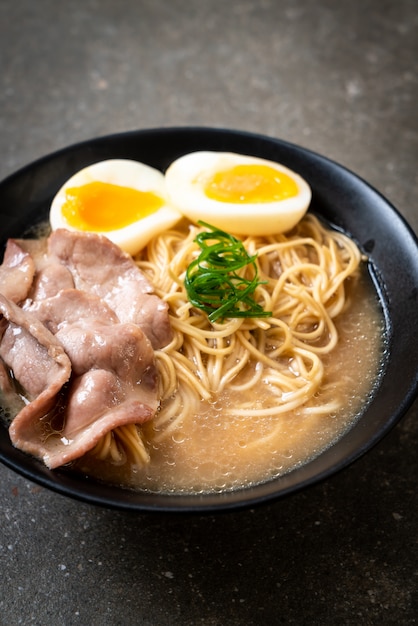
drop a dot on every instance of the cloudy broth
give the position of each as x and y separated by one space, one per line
215 452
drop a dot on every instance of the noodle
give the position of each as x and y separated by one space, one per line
302 278
239 389
121 442
304 274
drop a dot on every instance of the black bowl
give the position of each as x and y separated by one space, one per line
340 197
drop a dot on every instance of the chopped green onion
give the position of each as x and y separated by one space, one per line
212 282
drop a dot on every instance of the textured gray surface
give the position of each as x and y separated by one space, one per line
336 77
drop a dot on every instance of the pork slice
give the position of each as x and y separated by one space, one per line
100 267
115 384
119 348
96 261
36 358
92 411
39 364
50 275
49 280
72 305
16 272
114 378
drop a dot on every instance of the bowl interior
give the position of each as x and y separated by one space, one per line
340 197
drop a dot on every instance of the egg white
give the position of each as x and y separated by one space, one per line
185 185
126 173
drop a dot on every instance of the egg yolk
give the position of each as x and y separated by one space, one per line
99 206
250 184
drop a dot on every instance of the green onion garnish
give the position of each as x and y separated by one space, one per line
212 282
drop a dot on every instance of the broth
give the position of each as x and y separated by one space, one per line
214 452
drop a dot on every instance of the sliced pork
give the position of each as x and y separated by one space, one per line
16 272
97 401
69 306
31 351
100 267
121 388
39 365
114 378
80 345
50 276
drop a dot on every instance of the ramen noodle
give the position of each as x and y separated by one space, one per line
247 399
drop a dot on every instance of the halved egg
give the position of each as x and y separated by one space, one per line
240 194
122 199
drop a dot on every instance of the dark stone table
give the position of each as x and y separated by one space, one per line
336 77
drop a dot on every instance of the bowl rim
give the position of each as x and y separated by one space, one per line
95 493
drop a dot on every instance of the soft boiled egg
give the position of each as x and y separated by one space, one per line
122 199
240 194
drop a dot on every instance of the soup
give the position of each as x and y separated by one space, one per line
222 426
239 388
